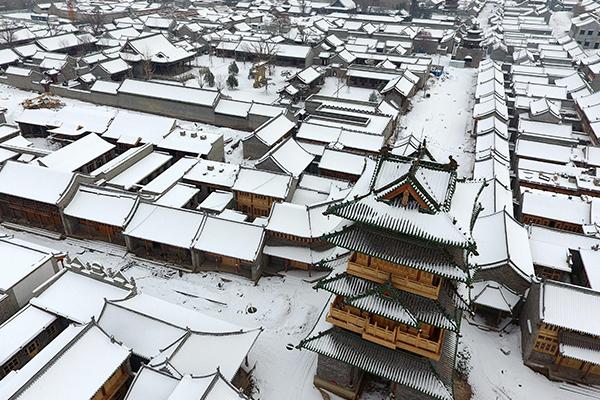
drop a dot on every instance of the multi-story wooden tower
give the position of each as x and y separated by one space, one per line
396 311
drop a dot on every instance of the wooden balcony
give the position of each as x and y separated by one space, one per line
391 335
346 319
380 334
419 345
376 274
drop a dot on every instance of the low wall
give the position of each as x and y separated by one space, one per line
167 108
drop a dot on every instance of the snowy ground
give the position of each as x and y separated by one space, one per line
336 88
244 92
443 115
499 376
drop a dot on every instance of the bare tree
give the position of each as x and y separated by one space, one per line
302 5
220 83
147 64
278 25
95 19
364 5
262 50
87 42
7 32
267 82
303 35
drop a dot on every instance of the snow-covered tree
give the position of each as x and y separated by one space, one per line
373 97
232 82
233 68
209 78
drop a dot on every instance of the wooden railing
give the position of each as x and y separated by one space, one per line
380 334
393 338
400 282
346 319
418 344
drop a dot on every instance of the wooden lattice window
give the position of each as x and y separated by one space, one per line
546 344
12 365
33 347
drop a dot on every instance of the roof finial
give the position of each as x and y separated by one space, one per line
451 165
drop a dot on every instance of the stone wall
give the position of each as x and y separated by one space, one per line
340 373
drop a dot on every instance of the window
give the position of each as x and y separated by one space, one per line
51 330
596 45
586 44
546 344
32 348
590 33
582 32
11 365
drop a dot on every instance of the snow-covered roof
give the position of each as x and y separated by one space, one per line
115 66
170 176
341 161
302 221
7 56
172 226
139 171
501 240
230 238
105 87
568 306
289 156
158 49
25 258
557 206
320 133
225 351
494 295
149 128
217 200
102 205
591 264
213 173
151 384
52 374
21 329
396 366
178 196
273 130
162 323
35 182
308 75
233 108
69 118
77 297
59 42
171 92
77 154
264 183
189 142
